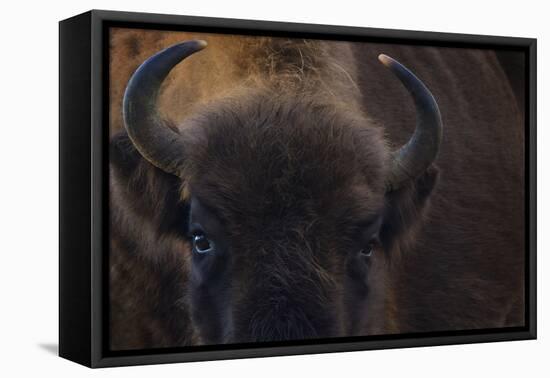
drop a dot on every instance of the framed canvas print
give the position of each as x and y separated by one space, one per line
234 188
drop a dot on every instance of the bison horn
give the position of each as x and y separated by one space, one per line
162 146
411 160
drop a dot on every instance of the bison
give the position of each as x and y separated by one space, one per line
271 189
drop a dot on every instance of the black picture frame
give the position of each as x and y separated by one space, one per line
83 187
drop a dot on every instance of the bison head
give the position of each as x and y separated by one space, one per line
294 202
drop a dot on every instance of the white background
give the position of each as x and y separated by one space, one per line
29 186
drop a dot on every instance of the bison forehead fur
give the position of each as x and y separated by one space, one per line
271 153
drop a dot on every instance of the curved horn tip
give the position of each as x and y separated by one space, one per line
201 43
385 60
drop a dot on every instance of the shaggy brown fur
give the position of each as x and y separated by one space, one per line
293 144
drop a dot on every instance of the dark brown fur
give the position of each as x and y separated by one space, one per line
292 144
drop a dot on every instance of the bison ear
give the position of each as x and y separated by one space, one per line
406 208
145 190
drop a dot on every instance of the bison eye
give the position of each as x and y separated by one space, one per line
201 244
367 251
